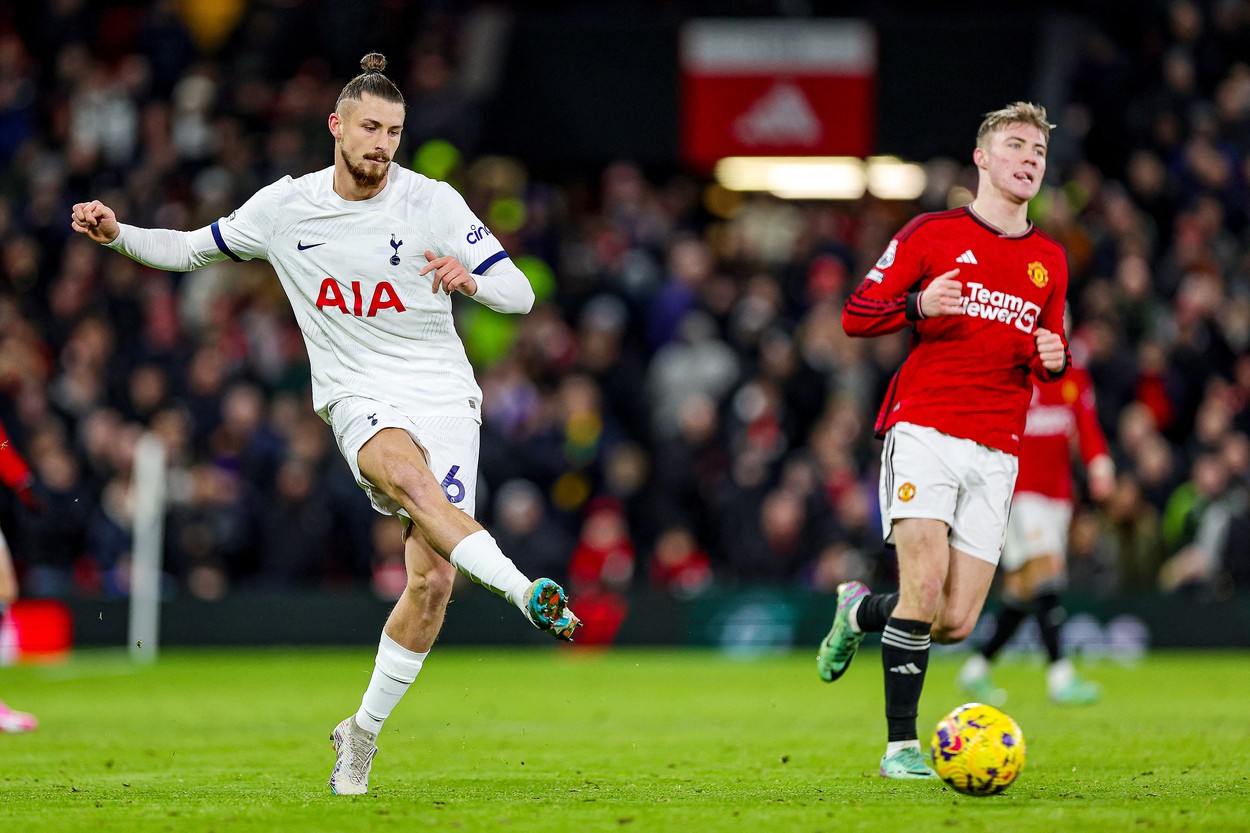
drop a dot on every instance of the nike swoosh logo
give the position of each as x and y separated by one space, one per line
302 247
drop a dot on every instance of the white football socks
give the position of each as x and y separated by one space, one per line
1059 675
896 746
975 668
394 671
479 558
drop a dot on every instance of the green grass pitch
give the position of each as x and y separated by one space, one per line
573 740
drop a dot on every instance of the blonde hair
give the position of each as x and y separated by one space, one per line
1019 112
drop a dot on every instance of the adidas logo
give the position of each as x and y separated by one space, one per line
782 116
909 668
967 257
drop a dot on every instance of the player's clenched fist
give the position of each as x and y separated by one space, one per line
449 274
942 296
96 220
1050 349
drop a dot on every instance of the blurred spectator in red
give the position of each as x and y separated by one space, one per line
16 474
679 566
600 571
603 557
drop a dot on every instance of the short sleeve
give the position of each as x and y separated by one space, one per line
458 232
246 233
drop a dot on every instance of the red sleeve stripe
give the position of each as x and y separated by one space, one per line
854 305
866 300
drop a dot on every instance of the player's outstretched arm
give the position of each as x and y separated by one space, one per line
96 220
165 249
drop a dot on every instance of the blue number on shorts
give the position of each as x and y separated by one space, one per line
452 487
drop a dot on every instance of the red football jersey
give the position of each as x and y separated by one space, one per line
1058 412
13 469
966 375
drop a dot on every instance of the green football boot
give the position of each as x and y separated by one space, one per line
840 644
974 681
1076 692
983 690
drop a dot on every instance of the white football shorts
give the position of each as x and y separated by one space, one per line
928 474
1038 526
451 448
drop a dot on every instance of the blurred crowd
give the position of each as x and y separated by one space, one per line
681 410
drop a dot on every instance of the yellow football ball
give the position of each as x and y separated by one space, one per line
977 750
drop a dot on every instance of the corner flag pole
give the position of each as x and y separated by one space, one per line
148 548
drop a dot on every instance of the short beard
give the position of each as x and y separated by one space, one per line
365 176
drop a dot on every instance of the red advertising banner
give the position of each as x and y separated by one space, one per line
777 88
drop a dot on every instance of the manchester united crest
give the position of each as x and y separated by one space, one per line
906 492
1038 274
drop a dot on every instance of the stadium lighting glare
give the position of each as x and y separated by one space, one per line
822 177
830 178
890 178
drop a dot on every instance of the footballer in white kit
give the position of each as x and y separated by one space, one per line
369 254
383 348
352 272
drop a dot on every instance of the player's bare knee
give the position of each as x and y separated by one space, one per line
948 633
433 582
440 579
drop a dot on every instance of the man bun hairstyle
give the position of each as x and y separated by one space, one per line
1018 112
370 82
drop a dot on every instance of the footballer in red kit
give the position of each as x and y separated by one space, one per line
14 473
1059 412
965 375
984 293
1061 415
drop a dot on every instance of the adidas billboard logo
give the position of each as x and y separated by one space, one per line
782 116
967 257
909 668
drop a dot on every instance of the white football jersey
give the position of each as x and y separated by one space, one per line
351 270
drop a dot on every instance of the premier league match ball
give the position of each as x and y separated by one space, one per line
977 750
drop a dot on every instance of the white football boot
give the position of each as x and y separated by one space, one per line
354 749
